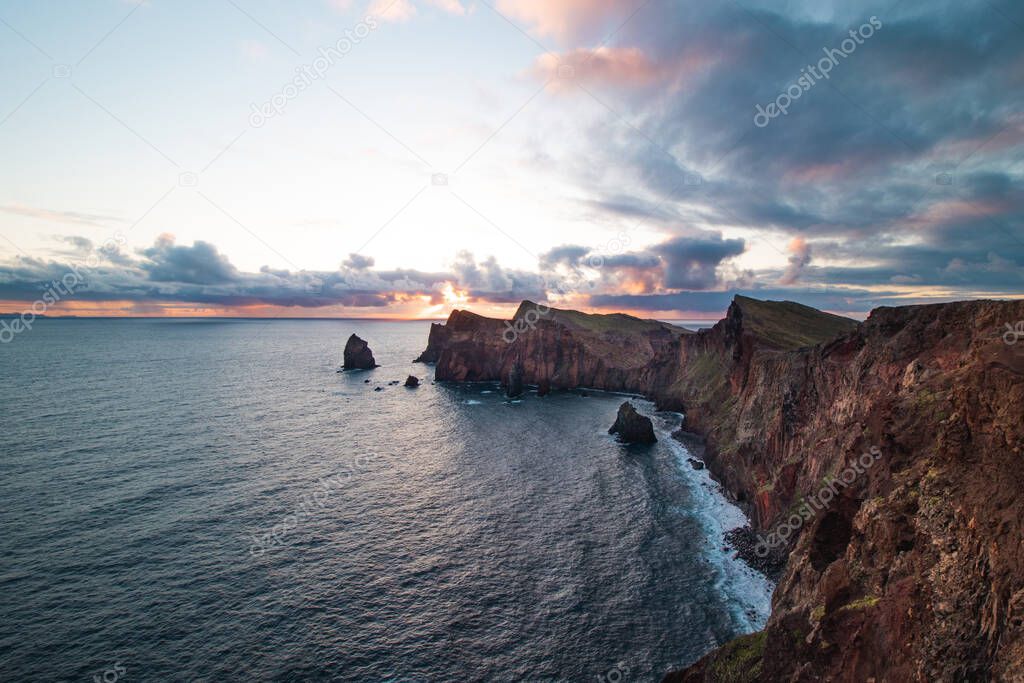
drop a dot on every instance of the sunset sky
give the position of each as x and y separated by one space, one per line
400 158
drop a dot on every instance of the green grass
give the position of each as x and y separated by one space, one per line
598 322
862 603
789 325
739 660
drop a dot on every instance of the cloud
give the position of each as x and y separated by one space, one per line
488 280
692 262
566 18
797 262
81 244
200 264
610 66
167 272
392 10
357 262
855 165
450 6
568 254
56 216
854 302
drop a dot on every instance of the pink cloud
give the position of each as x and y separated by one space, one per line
392 10
563 19
618 66
800 259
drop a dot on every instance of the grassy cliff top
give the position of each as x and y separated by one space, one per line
599 322
789 325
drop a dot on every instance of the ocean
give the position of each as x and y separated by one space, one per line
210 500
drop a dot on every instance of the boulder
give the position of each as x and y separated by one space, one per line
358 355
631 426
412 382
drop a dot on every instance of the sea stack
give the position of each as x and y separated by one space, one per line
631 426
412 382
358 355
515 381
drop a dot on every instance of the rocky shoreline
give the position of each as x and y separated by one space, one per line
879 461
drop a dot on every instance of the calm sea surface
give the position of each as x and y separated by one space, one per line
210 500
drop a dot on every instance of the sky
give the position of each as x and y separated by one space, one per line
403 158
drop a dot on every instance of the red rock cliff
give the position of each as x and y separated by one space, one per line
891 450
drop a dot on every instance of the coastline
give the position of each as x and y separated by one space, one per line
748 590
786 399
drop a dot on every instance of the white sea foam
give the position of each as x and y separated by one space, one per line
748 592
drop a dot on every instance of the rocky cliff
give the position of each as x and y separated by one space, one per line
556 349
885 456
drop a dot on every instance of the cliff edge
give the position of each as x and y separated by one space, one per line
887 457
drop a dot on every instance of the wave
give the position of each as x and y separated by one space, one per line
747 591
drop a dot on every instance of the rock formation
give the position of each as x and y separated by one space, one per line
412 382
514 388
631 426
563 349
884 460
358 355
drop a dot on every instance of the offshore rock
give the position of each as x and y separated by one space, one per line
631 426
358 355
412 382
515 381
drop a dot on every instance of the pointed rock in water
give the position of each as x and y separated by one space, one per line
515 381
412 382
695 464
631 426
358 355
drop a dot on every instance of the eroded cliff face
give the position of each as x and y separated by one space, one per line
888 456
556 349
914 570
